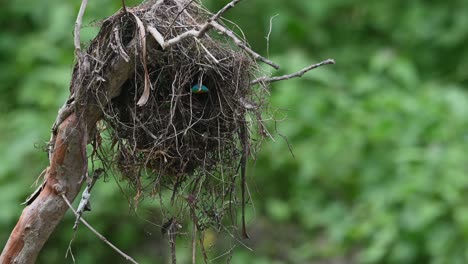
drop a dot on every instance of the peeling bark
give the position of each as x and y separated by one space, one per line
64 174
39 219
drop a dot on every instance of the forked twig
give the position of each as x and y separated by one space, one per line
292 75
223 10
127 257
242 45
211 23
191 33
195 33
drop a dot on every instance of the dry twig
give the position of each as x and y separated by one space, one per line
124 7
292 75
79 20
127 257
84 203
242 45
211 23
223 10
191 33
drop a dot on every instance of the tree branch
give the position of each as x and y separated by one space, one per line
292 75
79 20
191 33
211 23
104 239
241 44
39 219
84 203
216 16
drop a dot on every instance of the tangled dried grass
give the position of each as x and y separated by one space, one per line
163 135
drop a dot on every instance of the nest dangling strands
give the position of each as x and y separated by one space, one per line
186 118
180 123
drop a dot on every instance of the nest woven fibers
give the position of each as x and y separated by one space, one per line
188 117
179 98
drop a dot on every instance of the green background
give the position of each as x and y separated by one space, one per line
380 140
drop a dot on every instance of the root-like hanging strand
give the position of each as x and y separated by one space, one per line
245 152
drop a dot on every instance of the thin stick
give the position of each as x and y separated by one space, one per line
207 51
191 33
97 233
79 20
124 7
292 75
211 23
173 41
194 33
223 10
245 150
194 243
242 45
84 203
269 33
224 254
157 36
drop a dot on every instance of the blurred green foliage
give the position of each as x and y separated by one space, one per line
380 140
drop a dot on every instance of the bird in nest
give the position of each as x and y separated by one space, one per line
199 89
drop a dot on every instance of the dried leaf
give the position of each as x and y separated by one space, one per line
146 92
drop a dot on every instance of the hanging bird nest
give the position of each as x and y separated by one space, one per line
188 111
184 119
177 129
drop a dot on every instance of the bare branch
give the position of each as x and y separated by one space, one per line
127 257
211 23
79 20
124 7
293 75
173 41
241 44
157 36
223 10
84 203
